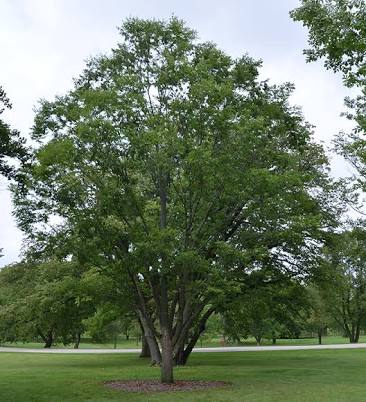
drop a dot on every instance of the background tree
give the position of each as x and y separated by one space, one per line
214 328
342 280
48 301
109 323
171 166
319 319
267 310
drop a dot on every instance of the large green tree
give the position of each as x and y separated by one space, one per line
173 168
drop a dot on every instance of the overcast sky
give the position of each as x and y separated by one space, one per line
44 43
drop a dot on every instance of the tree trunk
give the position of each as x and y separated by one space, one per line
357 334
354 334
274 340
77 340
183 353
154 350
145 350
48 340
167 357
320 336
167 376
180 358
150 339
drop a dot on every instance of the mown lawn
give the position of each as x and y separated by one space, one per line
312 375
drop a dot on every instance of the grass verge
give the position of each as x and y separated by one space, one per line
311 375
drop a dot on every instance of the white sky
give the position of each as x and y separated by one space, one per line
43 44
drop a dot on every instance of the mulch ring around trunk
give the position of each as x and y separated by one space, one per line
157 386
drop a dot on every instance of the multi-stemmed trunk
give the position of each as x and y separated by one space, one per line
179 314
352 329
177 341
354 334
185 348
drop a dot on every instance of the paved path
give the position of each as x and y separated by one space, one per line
197 350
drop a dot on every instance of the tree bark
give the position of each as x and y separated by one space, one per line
167 357
181 357
150 339
166 338
145 350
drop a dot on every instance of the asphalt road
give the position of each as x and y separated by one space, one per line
196 350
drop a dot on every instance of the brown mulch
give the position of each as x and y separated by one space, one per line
157 386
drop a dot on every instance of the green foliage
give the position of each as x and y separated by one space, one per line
108 323
268 310
236 161
12 145
47 301
337 33
214 328
342 280
319 319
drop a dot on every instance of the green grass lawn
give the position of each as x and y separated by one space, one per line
312 375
